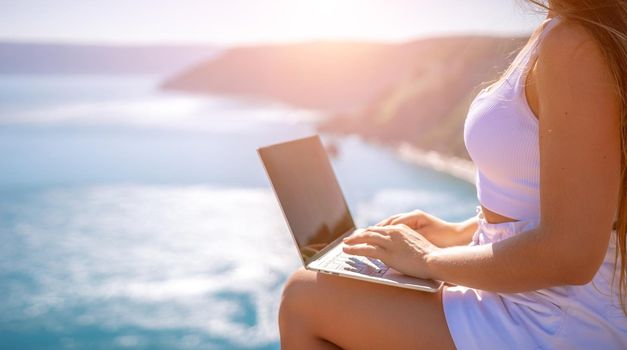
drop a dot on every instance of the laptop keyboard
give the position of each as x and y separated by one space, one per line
339 260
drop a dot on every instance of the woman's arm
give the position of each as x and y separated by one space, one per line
579 182
439 232
465 230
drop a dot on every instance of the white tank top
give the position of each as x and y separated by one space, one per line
501 136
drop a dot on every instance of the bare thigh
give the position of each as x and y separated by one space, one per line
353 314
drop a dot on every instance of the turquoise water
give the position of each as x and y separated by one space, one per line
135 218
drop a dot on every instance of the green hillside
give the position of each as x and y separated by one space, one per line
415 92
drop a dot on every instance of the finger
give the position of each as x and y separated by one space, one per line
385 230
364 250
368 237
388 220
406 219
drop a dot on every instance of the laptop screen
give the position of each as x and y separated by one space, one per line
308 191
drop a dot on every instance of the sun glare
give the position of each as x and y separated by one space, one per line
242 21
333 19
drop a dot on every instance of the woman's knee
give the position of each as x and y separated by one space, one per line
296 293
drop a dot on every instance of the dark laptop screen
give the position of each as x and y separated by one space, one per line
311 198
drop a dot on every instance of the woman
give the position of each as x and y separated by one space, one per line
539 266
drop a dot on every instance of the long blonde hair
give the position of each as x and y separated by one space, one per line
606 20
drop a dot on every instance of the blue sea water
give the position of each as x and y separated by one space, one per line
136 218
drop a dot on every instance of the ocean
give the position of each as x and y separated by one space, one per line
136 218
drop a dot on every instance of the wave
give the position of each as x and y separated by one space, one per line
153 258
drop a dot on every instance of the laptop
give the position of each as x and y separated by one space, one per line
318 217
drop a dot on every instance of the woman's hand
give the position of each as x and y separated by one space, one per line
437 231
398 246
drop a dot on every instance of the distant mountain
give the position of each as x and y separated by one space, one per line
321 75
416 92
35 58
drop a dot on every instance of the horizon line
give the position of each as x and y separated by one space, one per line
128 44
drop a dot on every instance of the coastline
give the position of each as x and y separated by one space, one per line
456 167
460 168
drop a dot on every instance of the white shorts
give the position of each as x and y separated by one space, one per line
565 317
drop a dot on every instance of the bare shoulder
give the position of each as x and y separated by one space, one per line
570 36
571 53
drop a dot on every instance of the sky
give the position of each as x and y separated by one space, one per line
232 22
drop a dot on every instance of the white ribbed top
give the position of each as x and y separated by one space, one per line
501 136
